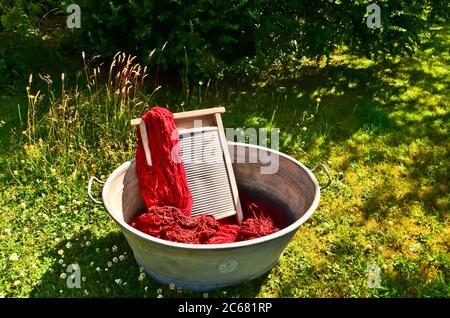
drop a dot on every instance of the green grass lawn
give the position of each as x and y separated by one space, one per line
381 127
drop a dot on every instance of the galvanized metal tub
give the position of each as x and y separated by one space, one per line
294 189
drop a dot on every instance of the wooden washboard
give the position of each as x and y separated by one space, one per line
209 173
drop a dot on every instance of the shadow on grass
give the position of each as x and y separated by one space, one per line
399 103
108 269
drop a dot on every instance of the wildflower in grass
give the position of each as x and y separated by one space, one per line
141 276
160 296
63 224
205 295
57 240
172 286
86 292
115 259
159 291
14 257
110 264
91 264
88 243
60 291
141 269
305 129
63 275
106 249
125 284
16 172
106 269
98 269
61 261
121 257
118 281
97 250
224 292
179 290
68 245
83 278
60 252
107 290
23 205
114 248
146 288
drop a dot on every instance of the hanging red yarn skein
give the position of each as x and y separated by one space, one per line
163 183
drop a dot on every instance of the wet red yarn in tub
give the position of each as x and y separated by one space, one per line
165 191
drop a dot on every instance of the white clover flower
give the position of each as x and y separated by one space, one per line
172 286
114 248
121 257
159 291
110 264
141 269
57 240
86 292
107 290
68 245
83 279
305 129
61 261
115 259
124 284
98 269
63 275
88 243
118 281
91 264
141 276
97 250
146 288
61 252
160 296
60 291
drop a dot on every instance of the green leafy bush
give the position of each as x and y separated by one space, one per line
207 34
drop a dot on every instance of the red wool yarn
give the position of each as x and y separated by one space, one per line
163 183
165 191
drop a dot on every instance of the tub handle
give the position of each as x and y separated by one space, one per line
91 180
330 179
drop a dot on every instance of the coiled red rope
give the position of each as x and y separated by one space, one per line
165 191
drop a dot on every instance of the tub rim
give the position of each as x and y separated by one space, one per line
287 230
